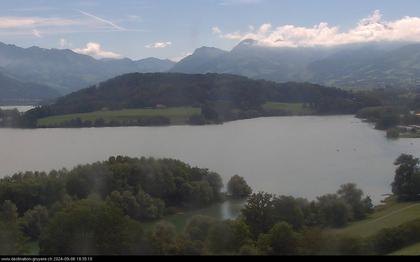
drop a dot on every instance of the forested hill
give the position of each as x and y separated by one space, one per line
172 89
221 97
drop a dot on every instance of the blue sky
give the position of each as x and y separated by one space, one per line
174 28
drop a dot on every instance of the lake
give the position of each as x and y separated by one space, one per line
301 156
19 108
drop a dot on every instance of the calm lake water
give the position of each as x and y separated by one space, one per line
19 108
299 156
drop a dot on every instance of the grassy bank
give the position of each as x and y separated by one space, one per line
391 214
177 115
413 250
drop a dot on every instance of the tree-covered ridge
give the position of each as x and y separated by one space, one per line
148 90
150 183
220 97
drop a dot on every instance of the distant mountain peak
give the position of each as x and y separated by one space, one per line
198 59
205 50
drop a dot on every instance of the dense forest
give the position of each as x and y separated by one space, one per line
100 209
220 97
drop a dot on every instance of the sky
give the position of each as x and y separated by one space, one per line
175 28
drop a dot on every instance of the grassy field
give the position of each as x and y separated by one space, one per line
391 215
413 250
292 108
177 115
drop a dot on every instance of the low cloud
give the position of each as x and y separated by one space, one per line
85 23
370 29
159 45
95 50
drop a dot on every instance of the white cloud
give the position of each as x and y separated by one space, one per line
159 45
85 23
95 50
179 58
370 29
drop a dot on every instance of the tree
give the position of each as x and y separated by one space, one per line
202 192
388 121
8 212
89 227
280 240
163 239
197 119
288 209
148 207
126 201
198 227
33 221
141 207
406 184
238 188
257 213
333 211
227 237
209 113
353 196
12 242
249 250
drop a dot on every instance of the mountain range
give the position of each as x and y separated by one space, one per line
351 66
61 71
15 91
67 71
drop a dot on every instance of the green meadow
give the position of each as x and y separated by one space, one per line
177 115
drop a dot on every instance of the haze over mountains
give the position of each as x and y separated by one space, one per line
67 71
61 71
13 90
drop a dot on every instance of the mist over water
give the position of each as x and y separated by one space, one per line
299 156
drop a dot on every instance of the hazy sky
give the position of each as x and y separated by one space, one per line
174 28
